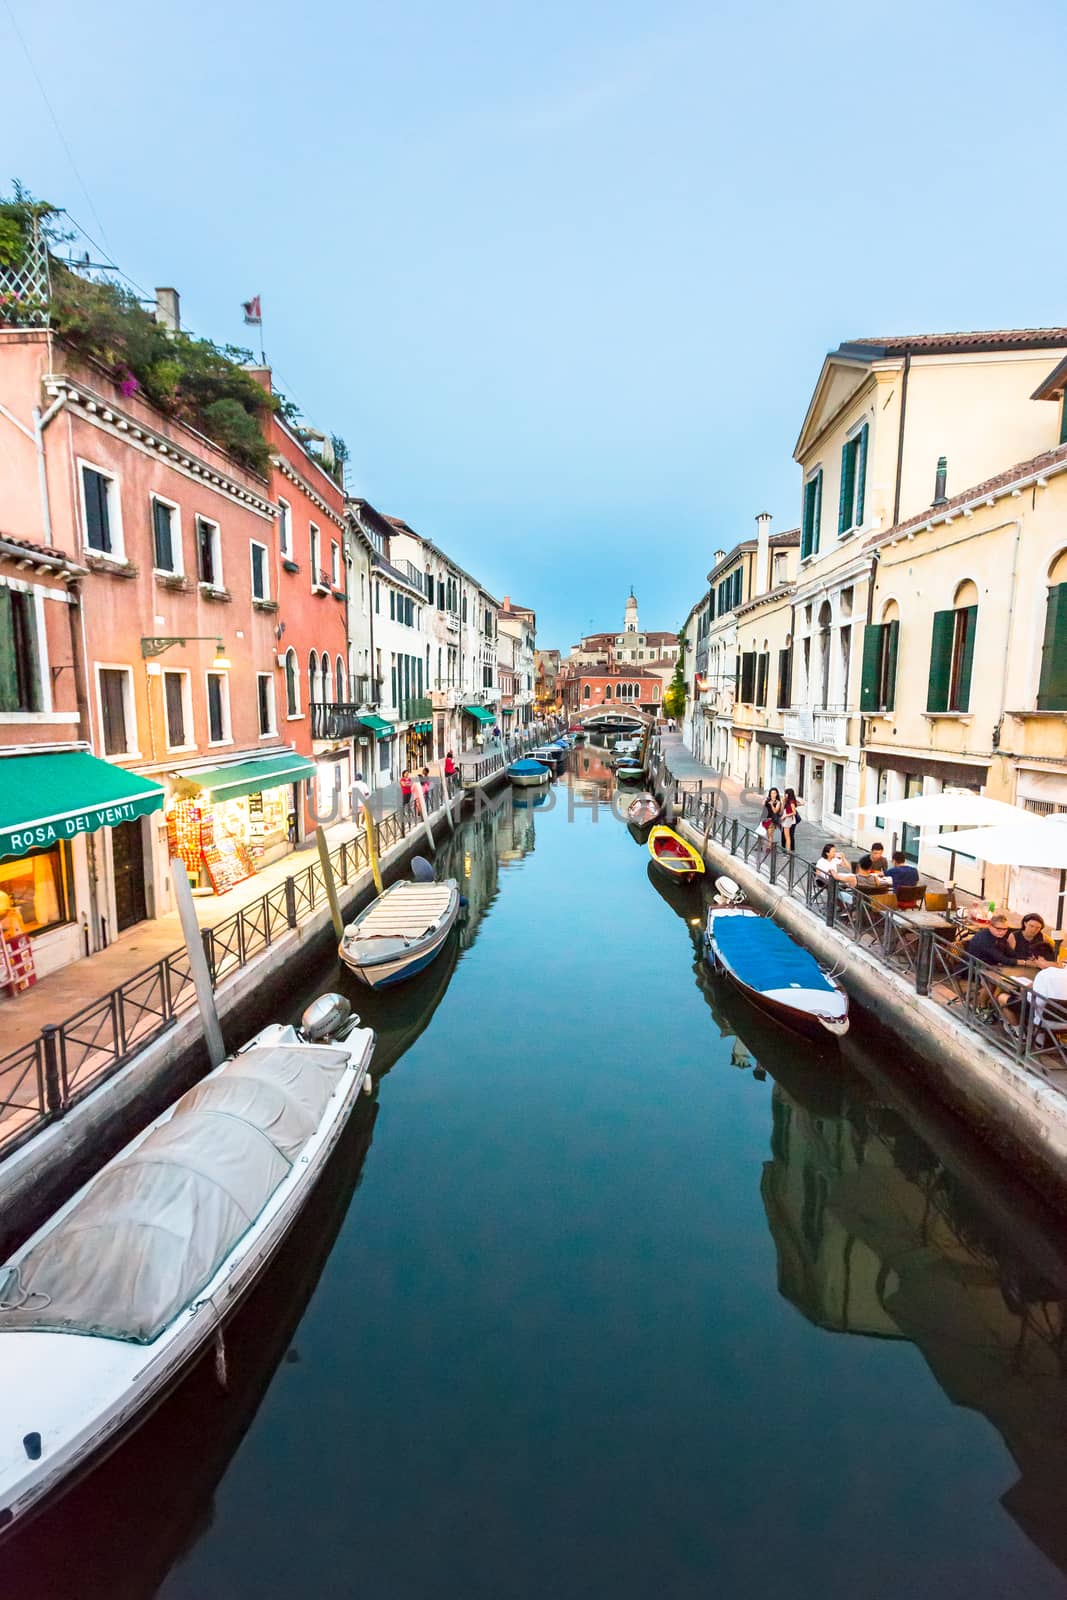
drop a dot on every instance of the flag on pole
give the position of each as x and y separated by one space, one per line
252 310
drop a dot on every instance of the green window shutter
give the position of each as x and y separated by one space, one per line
785 678
1052 687
871 675
763 663
969 623
817 514
890 673
848 486
9 678
940 660
861 474
748 676
1063 418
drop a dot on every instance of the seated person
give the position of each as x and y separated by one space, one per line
994 945
1032 947
902 874
1050 984
832 864
873 866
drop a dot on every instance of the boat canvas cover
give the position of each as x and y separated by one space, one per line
156 1225
528 768
763 956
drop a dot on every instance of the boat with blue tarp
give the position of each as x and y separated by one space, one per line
528 774
775 972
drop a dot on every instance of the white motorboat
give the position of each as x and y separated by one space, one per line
400 932
111 1302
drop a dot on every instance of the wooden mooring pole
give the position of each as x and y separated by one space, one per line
198 967
328 878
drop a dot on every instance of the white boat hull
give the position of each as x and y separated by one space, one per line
83 1394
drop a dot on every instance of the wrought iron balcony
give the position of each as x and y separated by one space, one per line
331 719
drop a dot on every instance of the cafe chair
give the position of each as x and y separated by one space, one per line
937 902
910 897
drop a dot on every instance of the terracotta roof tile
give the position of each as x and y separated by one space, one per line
943 343
1003 480
42 552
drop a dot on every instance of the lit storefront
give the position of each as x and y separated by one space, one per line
483 722
49 805
419 744
227 822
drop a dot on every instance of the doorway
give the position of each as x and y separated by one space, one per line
127 861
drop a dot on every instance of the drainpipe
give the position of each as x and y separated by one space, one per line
870 619
900 438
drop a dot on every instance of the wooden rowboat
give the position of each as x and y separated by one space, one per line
675 855
643 810
401 932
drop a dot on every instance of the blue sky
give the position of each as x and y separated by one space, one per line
562 275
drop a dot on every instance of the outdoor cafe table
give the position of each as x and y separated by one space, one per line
928 919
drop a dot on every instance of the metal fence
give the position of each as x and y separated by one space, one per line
1001 1008
44 1078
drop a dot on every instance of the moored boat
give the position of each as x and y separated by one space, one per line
643 810
528 773
674 854
108 1305
777 974
629 770
400 932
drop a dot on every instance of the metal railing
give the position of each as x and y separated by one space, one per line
41 1080
1001 1008
334 719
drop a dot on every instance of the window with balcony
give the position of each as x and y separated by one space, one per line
853 481
101 516
952 654
166 537
21 685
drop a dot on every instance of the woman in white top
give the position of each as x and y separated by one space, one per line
833 865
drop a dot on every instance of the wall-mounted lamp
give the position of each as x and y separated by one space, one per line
155 644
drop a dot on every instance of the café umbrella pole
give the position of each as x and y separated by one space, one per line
198 967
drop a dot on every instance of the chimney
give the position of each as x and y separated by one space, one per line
168 310
763 553
939 481
718 556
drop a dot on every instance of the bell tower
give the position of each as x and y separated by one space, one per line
630 625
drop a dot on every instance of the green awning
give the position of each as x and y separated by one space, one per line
63 793
250 777
508 710
378 726
422 727
479 713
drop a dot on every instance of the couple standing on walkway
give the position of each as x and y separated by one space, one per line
780 816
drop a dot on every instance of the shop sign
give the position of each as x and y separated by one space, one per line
18 841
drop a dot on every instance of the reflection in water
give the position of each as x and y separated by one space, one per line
878 1232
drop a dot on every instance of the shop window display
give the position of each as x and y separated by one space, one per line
37 888
225 842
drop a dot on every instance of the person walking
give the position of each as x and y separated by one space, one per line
405 788
790 818
771 820
450 768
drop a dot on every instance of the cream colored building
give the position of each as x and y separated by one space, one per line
964 676
765 664
883 414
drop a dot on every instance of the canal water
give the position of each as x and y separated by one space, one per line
612 1290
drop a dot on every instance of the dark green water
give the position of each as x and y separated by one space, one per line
613 1290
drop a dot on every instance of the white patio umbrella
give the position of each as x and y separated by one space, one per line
1035 842
946 810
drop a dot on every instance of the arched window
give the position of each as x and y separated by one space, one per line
952 652
1052 684
342 680
585 692
325 685
607 691
292 684
313 677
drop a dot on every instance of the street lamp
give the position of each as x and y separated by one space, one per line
155 644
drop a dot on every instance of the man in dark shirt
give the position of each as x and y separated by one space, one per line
993 945
903 874
871 873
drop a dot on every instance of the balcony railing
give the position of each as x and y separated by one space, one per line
828 725
365 691
420 708
332 719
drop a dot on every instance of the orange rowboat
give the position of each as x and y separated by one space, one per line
674 855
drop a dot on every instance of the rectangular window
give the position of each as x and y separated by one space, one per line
335 563
1052 685
392 605
802 763
20 670
314 543
38 887
377 597
409 613
285 528
208 553
881 792
260 572
748 676
951 659
812 517
853 481
879 674
218 708
116 710
176 707
839 788
763 670
98 495
785 679
165 541
440 595
909 833
265 701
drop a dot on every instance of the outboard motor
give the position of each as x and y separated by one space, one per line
422 870
328 1017
728 893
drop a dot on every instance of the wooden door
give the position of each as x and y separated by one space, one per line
127 859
